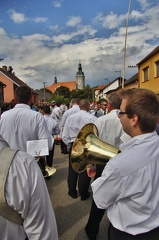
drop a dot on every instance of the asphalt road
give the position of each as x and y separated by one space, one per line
71 214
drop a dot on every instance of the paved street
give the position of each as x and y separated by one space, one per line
71 214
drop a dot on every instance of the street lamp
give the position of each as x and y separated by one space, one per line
44 91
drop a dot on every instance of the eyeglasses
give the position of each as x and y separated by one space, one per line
120 114
104 104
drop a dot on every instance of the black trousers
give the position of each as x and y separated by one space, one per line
63 147
96 214
80 179
115 234
49 158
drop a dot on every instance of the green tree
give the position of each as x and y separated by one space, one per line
87 92
62 91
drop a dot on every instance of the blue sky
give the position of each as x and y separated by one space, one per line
42 38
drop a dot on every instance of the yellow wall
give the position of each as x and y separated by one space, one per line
153 82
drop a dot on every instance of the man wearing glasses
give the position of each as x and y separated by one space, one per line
128 187
103 108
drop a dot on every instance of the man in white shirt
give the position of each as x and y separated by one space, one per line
25 191
72 126
74 108
56 113
128 187
54 129
109 130
21 124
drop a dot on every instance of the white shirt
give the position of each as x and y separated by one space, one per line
52 125
74 123
129 185
21 124
74 109
56 113
27 193
109 128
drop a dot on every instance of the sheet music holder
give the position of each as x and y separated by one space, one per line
38 148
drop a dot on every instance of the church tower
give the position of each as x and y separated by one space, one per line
80 78
55 79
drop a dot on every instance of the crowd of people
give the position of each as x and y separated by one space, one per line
126 186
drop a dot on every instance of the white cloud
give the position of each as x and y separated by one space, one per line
113 21
57 4
88 30
40 19
136 15
73 21
146 3
55 28
17 17
34 62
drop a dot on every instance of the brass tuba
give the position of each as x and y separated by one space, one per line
46 170
88 148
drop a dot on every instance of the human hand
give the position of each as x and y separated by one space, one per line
91 171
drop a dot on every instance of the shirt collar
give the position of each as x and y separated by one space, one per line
138 140
22 105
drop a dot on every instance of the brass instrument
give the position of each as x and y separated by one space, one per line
47 171
88 148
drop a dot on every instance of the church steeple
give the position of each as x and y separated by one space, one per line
80 78
55 79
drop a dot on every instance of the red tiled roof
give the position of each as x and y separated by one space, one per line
101 87
71 85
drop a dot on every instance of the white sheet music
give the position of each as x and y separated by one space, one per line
38 147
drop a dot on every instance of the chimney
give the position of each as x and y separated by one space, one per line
4 68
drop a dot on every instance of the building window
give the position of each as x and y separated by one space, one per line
157 69
145 74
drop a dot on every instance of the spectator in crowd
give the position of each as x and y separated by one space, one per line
103 108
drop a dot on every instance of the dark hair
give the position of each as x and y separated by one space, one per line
4 107
145 104
23 94
46 109
12 104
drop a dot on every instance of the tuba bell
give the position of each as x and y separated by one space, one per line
88 148
46 170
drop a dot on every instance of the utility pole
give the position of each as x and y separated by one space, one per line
125 45
44 90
